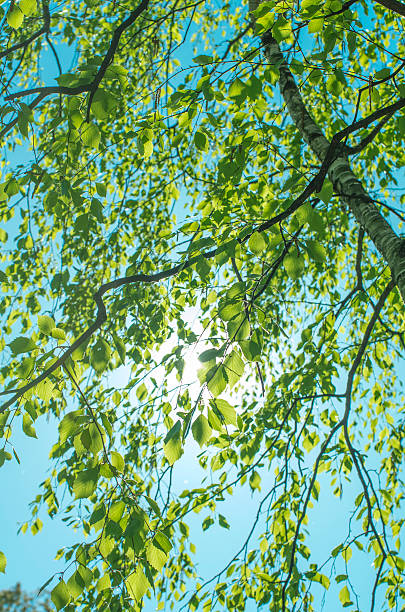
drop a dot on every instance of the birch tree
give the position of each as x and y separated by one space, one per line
203 270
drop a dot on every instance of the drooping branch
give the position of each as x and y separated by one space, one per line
342 424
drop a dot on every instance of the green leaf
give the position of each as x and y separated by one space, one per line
172 444
58 334
163 541
91 135
344 597
208 355
257 243
315 25
44 585
326 192
201 430
69 425
15 17
27 6
25 368
155 556
101 190
264 23
250 349
238 328
203 59
234 367
92 438
316 251
145 147
3 562
137 584
255 480
60 595
153 505
28 429
382 74
217 381
85 483
103 583
117 461
142 392
100 355
201 141
22 345
223 522
227 412
120 346
46 324
237 90
229 311
294 266
317 223
75 585
45 390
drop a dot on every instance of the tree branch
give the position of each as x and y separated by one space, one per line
370 137
90 87
52 89
393 5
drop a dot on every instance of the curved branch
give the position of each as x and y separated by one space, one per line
342 423
372 134
90 87
345 421
52 89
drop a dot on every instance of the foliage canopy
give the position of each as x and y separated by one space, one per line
220 181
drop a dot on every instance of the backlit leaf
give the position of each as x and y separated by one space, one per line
201 430
60 595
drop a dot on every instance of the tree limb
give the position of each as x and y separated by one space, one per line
393 5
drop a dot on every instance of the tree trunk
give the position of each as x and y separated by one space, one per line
342 177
